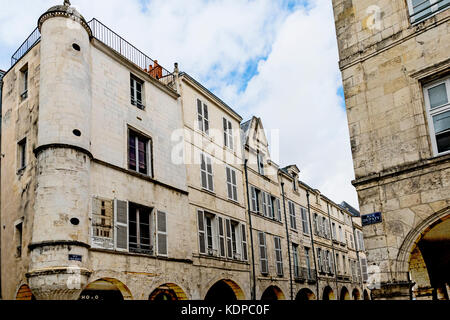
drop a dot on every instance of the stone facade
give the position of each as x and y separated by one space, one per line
389 53
107 197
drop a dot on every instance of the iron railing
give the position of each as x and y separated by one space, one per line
425 9
105 35
111 39
32 39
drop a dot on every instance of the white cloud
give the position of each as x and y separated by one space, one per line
294 90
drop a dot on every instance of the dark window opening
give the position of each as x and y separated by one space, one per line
138 153
140 240
136 86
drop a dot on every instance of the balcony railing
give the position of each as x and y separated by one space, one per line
111 39
427 8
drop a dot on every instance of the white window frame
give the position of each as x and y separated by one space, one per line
436 111
207 160
434 6
133 86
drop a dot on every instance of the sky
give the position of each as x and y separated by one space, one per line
277 60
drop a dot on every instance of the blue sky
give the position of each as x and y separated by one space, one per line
274 59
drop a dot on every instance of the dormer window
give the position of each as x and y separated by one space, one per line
294 183
260 163
421 9
136 88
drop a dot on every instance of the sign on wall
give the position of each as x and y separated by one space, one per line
371 218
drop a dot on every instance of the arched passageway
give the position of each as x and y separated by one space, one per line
168 292
272 293
328 294
345 295
24 293
429 261
366 295
106 289
225 290
356 295
305 294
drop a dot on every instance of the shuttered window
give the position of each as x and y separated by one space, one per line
278 256
270 205
227 134
121 224
162 233
264 264
201 232
231 184
278 210
319 259
203 117
308 263
221 238
295 260
244 242
305 225
292 215
364 269
229 239
206 172
139 229
264 204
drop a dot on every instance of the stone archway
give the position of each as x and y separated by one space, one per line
356 295
225 290
272 293
106 289
424 257
305 294
168 292
328 294
24 293
345 295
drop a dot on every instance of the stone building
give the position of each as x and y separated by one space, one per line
395 63
122 180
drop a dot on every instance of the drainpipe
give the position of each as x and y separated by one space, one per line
288 241
312 247
334 253
253 277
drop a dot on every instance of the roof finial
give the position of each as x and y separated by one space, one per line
67 3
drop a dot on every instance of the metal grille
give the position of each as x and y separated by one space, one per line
111 39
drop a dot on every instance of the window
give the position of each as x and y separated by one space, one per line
278 210
296 262
244 243
256 198
344 264
330 263
102 223
360 240
278 256
22 154
294 183
207 234
234 239
203 118
364 269
292 215
221 238
24 82
421 9
320 259
139 228
231 184
438 110
333 230
325 228
18 237
139 154
206 173
352 245
308 263
341 236
260 159
305 225
338 263
264 264
227 134
136 86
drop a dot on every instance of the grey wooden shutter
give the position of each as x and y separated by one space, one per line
230 134
229 183
201 231
278 210
206 117
264 203
204 176
121 224
225 133
254 199
263 253
278 256
270 206
244 243
161 233
364 269
234 184
200 115
221 238
229 241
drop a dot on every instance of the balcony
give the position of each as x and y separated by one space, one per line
112 40
305 274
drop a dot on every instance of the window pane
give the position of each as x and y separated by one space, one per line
441 122
132 152
443 142
438 96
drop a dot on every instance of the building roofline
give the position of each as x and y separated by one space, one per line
216 98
